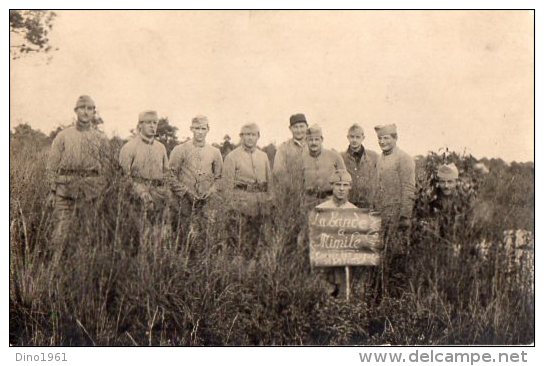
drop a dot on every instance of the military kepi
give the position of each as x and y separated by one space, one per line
314 131
200 121
84 100
448 171
297 118
148 115
250 128
382 130
340 175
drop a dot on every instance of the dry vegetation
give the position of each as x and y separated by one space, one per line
105 289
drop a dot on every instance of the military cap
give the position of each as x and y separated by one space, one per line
340 175
147 114
356 127
386 129
250 127
84 100
297 118
200 120
314 130
448 171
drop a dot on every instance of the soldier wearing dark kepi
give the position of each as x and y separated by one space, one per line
196 168
144 160
288 160
361 165
247 184
395 199
75 169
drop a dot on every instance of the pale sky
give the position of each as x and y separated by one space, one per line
461 79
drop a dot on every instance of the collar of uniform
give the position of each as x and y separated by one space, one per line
299 143
199 144
83 127
390 151
338 203
315 154
359 153
249 150
146 140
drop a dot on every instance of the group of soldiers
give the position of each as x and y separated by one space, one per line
195 180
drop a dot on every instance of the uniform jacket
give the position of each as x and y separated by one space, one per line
396 183
288 163
146 162
331 204
195 169
364 177
251 169
318 169
76 162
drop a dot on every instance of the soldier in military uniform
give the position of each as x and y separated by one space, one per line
144 160
361 165
396 194
318 164
288 160
75 169
196 168
248 187
341 182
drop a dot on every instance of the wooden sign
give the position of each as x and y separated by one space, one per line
344 237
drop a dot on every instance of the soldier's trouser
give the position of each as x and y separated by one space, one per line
155 226
245 232
194 217
393 274
66 215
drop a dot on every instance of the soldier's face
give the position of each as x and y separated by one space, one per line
249 139
85 113
299 130
148 127
314 143
355 139
340 190
199 133
387 142
447 186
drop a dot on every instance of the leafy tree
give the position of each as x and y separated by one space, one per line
166 133
28 31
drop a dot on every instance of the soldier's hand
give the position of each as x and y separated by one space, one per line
50 200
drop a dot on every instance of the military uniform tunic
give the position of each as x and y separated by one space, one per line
288 163
396 183
145 161
247 180
364 175
195 168
75 174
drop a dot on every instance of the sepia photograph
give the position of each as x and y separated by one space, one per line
271 178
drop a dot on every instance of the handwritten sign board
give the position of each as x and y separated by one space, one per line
344 237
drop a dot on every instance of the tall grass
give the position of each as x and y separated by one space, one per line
106 288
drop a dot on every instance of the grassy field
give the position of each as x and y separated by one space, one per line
105 289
